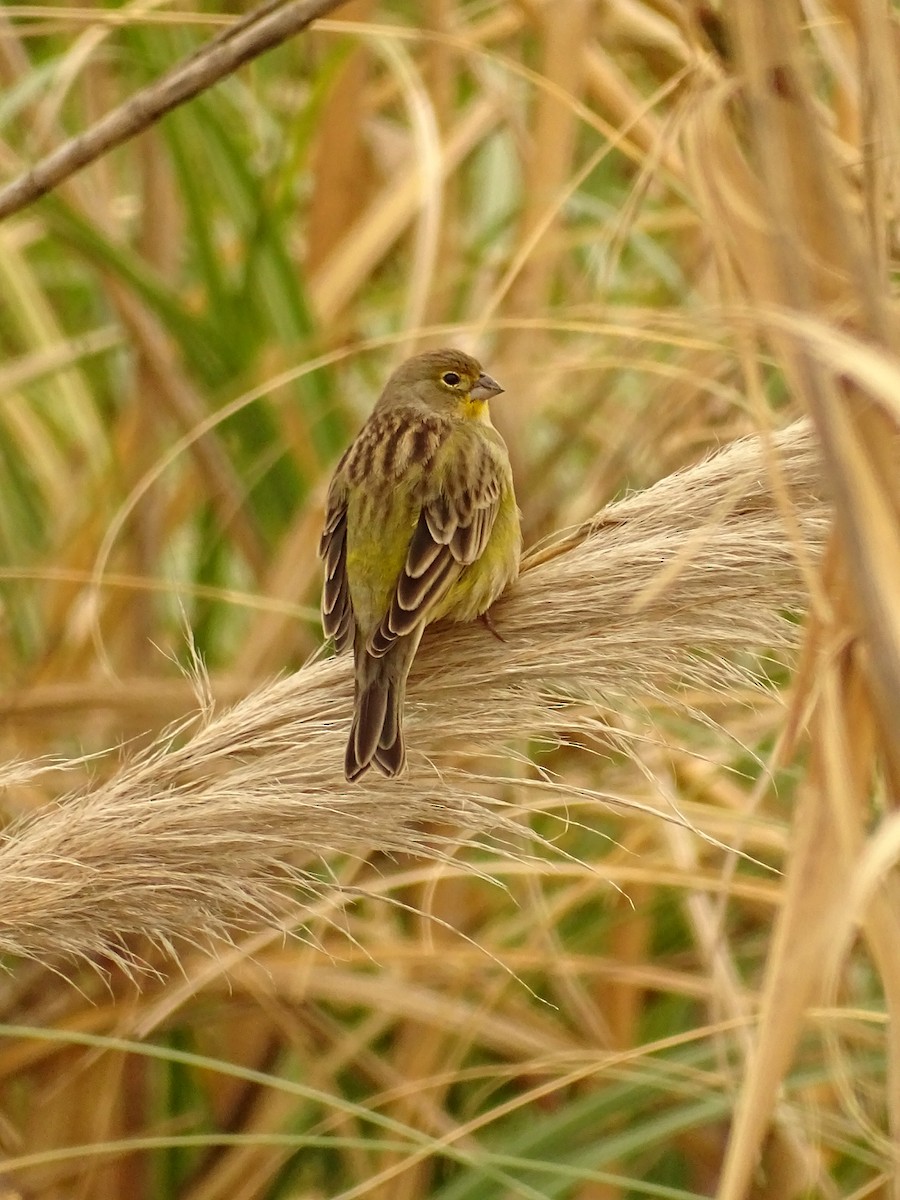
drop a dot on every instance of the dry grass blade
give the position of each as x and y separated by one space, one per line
186 839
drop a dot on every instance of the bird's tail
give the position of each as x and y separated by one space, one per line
376 733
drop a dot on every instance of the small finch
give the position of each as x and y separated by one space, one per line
421 524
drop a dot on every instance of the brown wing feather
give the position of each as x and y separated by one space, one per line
411 601
337 609
452 532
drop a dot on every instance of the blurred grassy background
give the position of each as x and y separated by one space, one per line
191 331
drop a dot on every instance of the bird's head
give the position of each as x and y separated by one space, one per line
444 381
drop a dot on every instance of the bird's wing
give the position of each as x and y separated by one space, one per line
452 531
337 609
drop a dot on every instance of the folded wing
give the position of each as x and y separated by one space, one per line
337 609
452 531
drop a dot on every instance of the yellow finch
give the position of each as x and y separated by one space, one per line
421 523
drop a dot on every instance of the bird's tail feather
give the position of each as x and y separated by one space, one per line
376 733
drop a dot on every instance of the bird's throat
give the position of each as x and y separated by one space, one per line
475 410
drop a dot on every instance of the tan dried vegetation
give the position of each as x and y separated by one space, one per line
672 236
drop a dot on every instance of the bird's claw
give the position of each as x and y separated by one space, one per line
489 624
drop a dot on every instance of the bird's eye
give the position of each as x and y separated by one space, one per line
450 378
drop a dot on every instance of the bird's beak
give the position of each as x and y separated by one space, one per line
485 387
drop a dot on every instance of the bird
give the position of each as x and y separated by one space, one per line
421 524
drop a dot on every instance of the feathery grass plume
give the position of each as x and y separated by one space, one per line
188 839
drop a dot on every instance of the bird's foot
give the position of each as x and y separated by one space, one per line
489 624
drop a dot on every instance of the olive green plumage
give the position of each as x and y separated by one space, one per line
421 524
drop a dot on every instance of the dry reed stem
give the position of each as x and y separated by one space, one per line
809 255
189 839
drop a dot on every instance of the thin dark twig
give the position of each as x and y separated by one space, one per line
272 23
